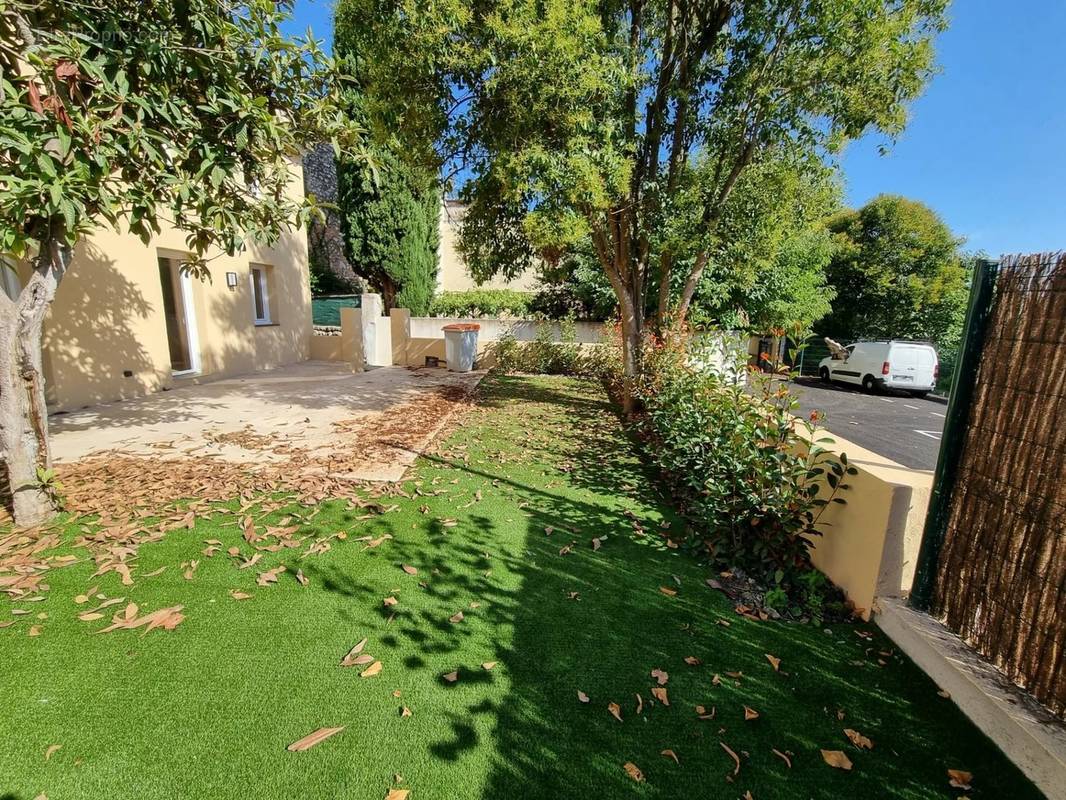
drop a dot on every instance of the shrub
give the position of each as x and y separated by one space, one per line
482 303
545 356
748 481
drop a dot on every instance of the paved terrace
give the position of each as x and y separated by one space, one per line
371 423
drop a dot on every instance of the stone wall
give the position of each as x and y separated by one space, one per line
325 241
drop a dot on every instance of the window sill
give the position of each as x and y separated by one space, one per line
267 324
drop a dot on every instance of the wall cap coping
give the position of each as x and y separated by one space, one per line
462 326
1024 730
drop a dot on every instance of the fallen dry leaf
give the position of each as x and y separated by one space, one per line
348 659
616 711
51 751
732 755
397 794
378 541
238 595
660 676
270 576
409 569
750 713
301 578
640 704
390 601
960 778
858 739
668 591
775 662
783 757
35 630
837 759
312 739
451 677
692 661
670 754
488 665
371 671
597 542
659 692
405 711
582 697
633 771
456 617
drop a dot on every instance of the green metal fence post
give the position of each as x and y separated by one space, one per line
959 403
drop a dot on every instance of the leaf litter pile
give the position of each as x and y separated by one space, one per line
514 619
121 501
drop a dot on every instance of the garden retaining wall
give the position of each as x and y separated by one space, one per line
869 545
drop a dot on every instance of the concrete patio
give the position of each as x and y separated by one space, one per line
369 424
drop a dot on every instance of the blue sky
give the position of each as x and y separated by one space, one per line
986 145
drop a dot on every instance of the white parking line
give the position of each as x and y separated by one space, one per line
930 434
937 415
907 405
888 400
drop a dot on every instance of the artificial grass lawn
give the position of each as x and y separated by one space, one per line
206 710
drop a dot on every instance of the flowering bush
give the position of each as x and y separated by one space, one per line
747 473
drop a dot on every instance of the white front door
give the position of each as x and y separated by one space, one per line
180 316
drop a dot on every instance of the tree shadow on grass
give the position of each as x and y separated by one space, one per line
551 459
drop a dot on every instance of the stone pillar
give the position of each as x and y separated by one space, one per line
400 322
352 349
370 305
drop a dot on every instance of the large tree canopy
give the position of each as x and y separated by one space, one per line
390 219
126 114
601 120
767 266
897 271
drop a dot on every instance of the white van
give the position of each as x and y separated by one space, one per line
895 364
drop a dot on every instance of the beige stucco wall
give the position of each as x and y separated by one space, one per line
452 275
107 317
326 348
869 545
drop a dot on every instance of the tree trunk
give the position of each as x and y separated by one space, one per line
388 293
632 336
23 416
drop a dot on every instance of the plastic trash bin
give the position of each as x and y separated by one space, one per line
460 345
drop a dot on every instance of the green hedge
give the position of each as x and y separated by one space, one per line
482 303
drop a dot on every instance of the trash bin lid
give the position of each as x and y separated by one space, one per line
462 326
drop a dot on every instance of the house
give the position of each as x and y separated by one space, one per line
452 275
126 321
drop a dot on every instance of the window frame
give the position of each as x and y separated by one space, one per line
259 278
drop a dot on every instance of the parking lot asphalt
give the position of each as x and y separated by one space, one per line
893 424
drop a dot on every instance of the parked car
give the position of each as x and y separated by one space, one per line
894 364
